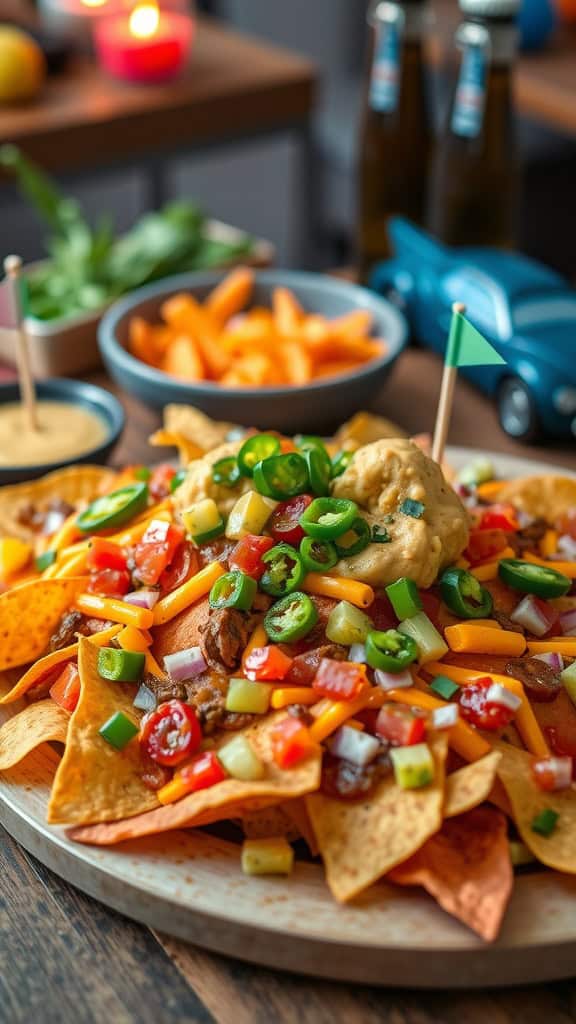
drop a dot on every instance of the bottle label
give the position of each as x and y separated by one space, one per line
385 80
470 100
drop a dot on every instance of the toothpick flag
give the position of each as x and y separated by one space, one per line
466 347
12 306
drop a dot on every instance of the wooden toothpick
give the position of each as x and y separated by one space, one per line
13 271
446 401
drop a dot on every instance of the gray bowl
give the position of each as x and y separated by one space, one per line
317 406
93 398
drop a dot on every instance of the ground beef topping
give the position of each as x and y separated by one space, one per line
349 781
527 538
72 625
44 520
224 635
305 666
542 682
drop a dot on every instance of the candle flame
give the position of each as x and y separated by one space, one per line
93 3
144 20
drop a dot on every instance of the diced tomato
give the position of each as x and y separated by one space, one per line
287 446
339 680
484 545
499 517
156 550
159 483
66 690
284 525
552 773
105 554
110 583
171 733
399 725
247 555
480 712
291 742
185 563
267 663
203 771
562 741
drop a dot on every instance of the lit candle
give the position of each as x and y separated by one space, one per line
148 45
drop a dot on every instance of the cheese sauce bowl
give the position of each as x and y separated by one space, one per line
105 424
316 406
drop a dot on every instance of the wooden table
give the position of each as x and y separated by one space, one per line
66 959
235 88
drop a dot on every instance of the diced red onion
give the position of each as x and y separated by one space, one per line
567 547
53 521
357 654
142 598
555 661
353 745
559 767
145 700
446 717
567 622
523 519
534 615
498 694
393 680
185 664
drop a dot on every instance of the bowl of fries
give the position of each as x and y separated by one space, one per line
274 348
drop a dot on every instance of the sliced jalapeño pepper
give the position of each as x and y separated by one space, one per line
340 463
177 480
390 651
318 463
113 509
463 594
306 442
327 518
281 476
318 555
233 590
45 560
256 448
225 472
356 538
529 578
120 666
291 618
284 570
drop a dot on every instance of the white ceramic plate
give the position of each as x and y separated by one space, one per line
190 885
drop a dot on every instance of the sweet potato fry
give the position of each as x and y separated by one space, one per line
186 316
183 360
296 362
356 324
288 312
231 295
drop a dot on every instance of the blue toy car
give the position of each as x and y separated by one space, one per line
525 310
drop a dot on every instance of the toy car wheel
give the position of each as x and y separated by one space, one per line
517 410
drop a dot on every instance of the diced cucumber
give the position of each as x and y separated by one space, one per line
568 677
431 646
248 697
413 766
267 857
481 471
249 515
240 761
203 521
347 625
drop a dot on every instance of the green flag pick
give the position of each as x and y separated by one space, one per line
466 347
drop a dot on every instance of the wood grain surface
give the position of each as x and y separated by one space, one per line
64 958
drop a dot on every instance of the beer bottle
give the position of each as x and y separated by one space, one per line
396 134
475 179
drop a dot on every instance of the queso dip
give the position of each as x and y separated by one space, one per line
65 431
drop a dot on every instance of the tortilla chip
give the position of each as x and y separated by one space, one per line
96 782
269 822
466 867
362 840
195 426
558 850
229 799
548 497
364 428
187 450
29 616
471 785
39 670
298 814
38 723
71 485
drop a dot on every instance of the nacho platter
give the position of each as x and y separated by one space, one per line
190 885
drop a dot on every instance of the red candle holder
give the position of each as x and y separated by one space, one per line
147 44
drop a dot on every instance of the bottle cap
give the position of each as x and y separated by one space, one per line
490 8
